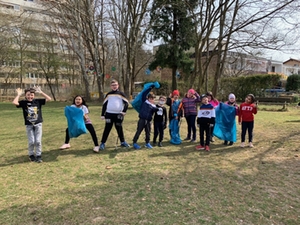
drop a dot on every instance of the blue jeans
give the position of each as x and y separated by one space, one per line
34 136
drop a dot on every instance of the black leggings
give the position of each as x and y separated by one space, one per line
247 126
191 126
110 120
158 130
92 131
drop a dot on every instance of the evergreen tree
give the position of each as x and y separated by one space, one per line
171 22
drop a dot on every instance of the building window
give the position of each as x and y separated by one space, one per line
273 69
17 7
30 75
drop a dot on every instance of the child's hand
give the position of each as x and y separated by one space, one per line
19 91
165 126
37 89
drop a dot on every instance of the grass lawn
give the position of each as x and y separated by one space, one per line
168 185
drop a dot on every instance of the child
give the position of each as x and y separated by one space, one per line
174 117
188 104
114 109
147 110
231 101
246 118
79 102
214 102
160 121
205 120
32 112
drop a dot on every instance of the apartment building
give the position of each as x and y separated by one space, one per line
33 49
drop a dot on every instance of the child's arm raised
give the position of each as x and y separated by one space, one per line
38 90
16 100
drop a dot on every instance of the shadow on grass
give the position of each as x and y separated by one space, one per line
187 148
260 157
17 160
292 121
136 193
53 154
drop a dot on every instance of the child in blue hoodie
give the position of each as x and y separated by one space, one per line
148 108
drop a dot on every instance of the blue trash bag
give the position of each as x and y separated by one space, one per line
76 125
175 135
225 126
141 97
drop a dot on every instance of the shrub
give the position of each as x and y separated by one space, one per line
243 85
293 83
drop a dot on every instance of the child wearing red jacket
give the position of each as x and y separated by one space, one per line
246 118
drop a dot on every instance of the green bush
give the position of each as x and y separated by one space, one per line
293 83
241 86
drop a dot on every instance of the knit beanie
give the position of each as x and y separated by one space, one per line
175 92
192 91
231 96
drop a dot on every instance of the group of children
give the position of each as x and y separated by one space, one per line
114 109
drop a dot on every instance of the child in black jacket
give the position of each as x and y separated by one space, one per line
160 121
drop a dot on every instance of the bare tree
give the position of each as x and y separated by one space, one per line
70 16
47 56
129 23
233 25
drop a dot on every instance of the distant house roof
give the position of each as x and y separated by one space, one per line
291 60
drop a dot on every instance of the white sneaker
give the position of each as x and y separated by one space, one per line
65 146
96 149
251 145
242 144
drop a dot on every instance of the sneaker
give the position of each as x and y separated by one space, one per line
251 145
39 159
154 143
230 143
125 144
207 148
242 144
192 141
136 146
102 146
32 158
147 145
96 149
65 146
199 147
159 144
187 139
225 142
